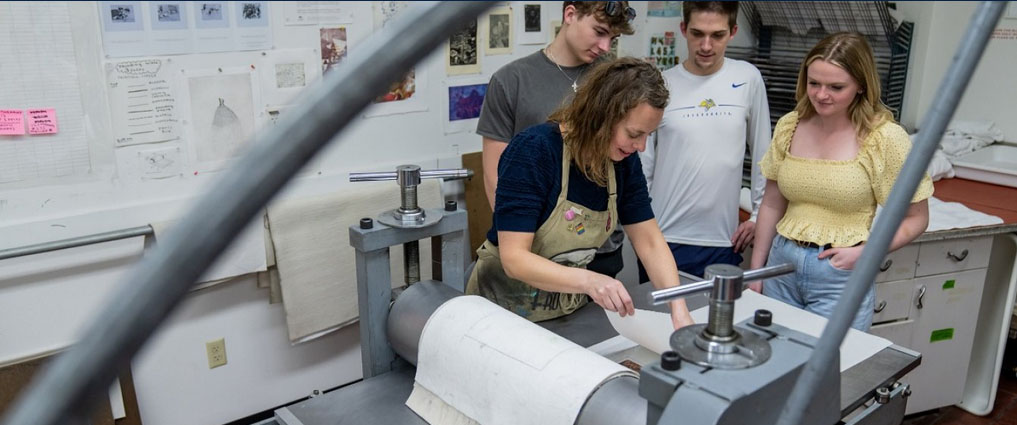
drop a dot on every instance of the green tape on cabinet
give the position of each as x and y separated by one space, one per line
941 335
949 284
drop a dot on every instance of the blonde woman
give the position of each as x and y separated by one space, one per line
562 188
832 160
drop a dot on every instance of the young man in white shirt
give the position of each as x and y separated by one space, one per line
718 107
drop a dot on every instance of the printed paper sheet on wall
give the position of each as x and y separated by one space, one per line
143 102
147 28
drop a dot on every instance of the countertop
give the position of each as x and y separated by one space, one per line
1000 201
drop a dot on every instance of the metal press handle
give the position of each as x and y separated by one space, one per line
958 258
442 173
886 265
662 296
879 308
921 295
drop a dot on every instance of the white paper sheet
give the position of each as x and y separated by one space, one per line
315 12
653 330
498 368
285 73
147 28
246 254
39 70
143 102
220 104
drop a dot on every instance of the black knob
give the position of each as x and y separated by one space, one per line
763 318
669 360
451 206
366 223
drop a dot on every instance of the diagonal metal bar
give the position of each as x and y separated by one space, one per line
965 60
152 289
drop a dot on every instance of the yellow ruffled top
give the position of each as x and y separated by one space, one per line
830 201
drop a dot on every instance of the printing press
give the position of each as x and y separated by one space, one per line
719 372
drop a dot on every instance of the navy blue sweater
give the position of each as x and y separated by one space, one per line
529 181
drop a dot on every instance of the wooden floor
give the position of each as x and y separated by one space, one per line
1004 411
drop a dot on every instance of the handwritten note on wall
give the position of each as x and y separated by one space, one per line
142 101
12 122
42 121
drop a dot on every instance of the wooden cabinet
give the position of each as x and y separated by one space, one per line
934 311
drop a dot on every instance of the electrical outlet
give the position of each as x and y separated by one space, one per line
216 351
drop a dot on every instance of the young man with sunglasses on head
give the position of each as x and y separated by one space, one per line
718 107
526 91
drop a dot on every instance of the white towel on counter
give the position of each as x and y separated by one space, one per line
480 363
950 215
962 137
317 266
954 215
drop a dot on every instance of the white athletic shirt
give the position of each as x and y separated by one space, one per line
694 169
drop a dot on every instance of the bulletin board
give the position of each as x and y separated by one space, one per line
150 100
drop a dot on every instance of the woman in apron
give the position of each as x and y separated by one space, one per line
563 186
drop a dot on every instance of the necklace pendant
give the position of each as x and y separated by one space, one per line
575 87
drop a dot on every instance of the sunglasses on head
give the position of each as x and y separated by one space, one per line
615 8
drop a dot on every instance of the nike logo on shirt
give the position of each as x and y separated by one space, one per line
734 86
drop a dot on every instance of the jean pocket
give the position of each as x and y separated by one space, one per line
835 268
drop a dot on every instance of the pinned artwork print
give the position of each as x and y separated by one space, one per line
333 47
222 112
462 52
533 28
465 102
498 28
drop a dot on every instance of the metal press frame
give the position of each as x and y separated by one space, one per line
61 394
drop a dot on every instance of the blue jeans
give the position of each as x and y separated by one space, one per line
816 285
693 259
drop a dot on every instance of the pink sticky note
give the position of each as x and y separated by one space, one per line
42 121
12 122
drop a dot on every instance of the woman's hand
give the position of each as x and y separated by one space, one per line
843 258
609 293
756 285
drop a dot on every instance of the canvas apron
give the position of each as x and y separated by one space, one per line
570 237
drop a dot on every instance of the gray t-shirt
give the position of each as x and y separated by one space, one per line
523 94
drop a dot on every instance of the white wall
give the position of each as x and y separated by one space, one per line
992 92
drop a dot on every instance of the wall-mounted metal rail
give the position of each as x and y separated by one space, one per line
57 245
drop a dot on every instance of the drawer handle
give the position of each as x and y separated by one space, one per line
879 308
958 258
886 266
921 294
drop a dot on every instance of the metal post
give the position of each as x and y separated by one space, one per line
956 80
161 280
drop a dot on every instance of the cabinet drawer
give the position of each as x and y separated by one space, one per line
899 264
899 333
893 300
953 255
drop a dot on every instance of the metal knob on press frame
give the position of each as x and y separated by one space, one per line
409 214
717 343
